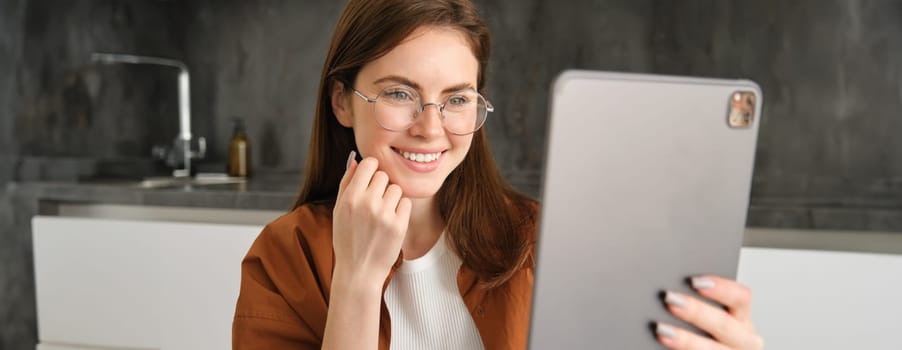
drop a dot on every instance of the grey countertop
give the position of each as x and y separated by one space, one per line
866 225
818 205
268 194
870 213
883 213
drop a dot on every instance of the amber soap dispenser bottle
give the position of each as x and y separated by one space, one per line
239 152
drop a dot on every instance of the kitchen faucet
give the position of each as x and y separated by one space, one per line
182 143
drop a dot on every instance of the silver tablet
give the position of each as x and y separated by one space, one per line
646 183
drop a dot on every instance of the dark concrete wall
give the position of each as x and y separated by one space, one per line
261 62
832 79
17 309
532 42
70 107
829 70
11 17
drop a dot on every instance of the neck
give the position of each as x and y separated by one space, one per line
424 229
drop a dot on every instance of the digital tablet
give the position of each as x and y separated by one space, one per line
646 183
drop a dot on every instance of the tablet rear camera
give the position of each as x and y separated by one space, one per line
741 112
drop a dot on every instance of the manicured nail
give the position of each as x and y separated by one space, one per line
674 299
350 158
665 331
702 283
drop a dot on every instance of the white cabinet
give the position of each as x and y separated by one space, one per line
201 271
106 283
157 281
98 282
806 299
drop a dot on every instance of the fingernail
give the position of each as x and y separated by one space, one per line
674 299
702 283
665 331
350 158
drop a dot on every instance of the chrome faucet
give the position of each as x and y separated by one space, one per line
182 143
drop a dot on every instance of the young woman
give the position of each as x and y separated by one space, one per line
421 244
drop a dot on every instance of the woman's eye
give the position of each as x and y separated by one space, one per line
458 100
399 95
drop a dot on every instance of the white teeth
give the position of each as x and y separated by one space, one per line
421 157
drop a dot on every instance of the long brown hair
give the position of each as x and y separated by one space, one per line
489 225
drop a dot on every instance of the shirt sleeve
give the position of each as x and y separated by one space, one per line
280 303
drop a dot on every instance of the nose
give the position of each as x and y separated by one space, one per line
429 122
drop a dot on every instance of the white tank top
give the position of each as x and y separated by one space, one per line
425 305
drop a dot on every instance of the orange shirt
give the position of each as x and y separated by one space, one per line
286 278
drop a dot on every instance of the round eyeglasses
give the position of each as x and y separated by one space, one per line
396 109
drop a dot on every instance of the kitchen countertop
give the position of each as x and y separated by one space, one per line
822 204
278 193
868 224
865 213
268 194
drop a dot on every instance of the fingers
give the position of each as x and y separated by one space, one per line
392 196
378 185
349 172
392 200
366 178
714 320
360 176
735 296
711 319
677 338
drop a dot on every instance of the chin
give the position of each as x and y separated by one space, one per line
418 190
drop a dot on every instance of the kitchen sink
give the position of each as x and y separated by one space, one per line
200 180
164 182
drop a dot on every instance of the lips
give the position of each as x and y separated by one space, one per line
419 156
421 160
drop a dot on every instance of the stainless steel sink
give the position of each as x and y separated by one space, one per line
166 181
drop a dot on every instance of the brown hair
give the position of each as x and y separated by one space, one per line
489 225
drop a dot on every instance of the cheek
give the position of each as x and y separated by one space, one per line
365 141
372 141
363 133
462 143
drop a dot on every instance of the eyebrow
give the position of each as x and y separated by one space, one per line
411 83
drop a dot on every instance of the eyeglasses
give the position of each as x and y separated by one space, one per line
396 109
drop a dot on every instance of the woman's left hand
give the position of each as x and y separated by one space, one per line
731 328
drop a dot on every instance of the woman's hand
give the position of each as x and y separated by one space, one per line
369 223
731 328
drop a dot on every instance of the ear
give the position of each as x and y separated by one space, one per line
341 106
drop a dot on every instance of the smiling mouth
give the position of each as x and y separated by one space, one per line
419 157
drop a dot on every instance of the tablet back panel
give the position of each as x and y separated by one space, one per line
645 184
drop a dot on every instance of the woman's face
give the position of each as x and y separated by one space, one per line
434 62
